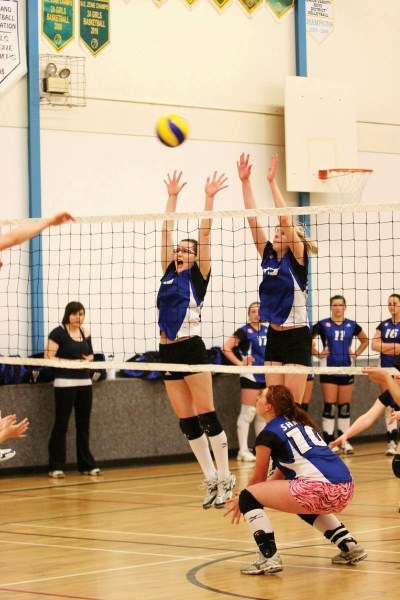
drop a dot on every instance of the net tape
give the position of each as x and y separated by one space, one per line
226 369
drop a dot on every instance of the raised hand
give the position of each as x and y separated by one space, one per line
173 183
61 218
215 185
273 168
243 167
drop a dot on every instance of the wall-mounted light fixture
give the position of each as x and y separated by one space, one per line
56 82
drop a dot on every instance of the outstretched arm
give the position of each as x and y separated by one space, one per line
285 221
29 230
257 230
363 422
212 187
174 187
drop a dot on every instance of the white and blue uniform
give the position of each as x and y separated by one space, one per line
390 334
300 453
180 300
338 338
252 341
283 290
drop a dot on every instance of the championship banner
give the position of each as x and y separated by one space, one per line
280 8
12 43
250 5
219 3
319 19
58 22
94 24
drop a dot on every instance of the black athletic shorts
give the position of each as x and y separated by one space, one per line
189 352
337 379
249 384
289 346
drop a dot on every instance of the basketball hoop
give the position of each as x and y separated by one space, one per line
351 182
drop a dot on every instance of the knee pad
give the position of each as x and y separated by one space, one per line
396 465
247 413
310 519
210 424
190 428
247 502
329 411
344 411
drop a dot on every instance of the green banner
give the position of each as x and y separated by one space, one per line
279 7
94 24
58 22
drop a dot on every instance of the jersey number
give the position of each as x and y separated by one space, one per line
339 336
300 440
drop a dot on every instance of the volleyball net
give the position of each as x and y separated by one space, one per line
112 266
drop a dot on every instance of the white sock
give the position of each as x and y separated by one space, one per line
219 445
201 450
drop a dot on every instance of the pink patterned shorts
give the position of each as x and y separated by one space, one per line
320 497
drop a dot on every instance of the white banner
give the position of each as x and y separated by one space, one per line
319 19
12 43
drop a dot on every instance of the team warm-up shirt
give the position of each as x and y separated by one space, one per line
300 453
283 289
180 300
338 339
390 334
253 341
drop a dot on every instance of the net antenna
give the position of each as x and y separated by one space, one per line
350 182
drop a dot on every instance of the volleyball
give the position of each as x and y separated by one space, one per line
172 130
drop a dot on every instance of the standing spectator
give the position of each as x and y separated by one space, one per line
337 333
386 341
72 391
283 289
186 273
246 347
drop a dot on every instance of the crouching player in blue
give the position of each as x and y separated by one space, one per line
309 480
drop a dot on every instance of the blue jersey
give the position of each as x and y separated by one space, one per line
300 452
338 338
390 333
253 341
180 300
283 290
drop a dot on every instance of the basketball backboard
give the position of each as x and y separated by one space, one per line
320 131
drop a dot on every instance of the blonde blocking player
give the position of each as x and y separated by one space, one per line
283 289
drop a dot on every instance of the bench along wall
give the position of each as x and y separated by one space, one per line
132 421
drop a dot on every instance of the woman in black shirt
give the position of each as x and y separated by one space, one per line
72 390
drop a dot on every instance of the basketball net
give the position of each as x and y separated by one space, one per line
350 182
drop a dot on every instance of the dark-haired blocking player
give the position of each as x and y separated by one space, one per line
186 269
